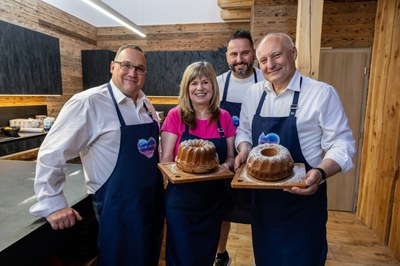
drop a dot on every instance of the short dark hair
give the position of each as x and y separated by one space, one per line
242 34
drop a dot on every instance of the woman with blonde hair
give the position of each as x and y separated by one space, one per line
194 210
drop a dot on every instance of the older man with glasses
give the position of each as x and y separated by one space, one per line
114 129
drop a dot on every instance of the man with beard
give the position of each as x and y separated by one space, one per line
233 85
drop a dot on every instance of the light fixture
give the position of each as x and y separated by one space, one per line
113 14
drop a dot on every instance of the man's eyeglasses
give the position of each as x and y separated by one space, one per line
126 66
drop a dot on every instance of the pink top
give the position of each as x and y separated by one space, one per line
205 130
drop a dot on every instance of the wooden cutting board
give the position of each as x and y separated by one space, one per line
177 176
297 179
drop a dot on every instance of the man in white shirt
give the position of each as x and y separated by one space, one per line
114 129
233 85
307 117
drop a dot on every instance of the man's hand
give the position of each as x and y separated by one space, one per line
313 180
64 218
244 150
240 159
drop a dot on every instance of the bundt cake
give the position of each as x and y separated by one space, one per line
196 156
269 162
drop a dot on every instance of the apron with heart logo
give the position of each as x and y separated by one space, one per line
194 214
130 204
287 229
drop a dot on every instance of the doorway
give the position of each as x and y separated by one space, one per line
347 70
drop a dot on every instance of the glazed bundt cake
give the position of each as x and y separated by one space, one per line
196 156
269 162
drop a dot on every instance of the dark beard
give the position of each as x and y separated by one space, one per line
243 72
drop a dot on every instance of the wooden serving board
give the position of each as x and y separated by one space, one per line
297 179
177 176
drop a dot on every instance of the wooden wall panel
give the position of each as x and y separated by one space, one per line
348 24
345 23
172 37
379 197
273 16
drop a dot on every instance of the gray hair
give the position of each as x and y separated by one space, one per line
132 46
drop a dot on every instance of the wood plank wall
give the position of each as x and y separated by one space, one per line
379 188
183 37
345 23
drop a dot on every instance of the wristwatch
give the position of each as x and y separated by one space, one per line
321 171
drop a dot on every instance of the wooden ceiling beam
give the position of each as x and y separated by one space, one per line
236 14
235 4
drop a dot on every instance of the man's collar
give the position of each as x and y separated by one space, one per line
119 96
294 83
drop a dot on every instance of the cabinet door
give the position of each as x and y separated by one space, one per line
96 67
346 70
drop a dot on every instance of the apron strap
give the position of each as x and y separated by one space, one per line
293 107
121 119
220 129
260 103
228 77
148 112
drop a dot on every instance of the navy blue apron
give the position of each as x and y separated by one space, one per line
287 229
232 107
238 201
129 205
194 215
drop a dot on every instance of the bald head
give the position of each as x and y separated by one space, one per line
276 55
280 37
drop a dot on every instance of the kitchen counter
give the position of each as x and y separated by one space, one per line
22 136
17 227
25 141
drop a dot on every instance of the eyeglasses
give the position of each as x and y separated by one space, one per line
126 66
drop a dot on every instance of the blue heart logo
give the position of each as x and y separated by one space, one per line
147 147
235 120
271 138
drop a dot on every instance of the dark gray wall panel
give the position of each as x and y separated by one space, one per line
29 62
96 67
165 69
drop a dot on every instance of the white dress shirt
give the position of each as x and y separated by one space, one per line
87 126
237 87
322 124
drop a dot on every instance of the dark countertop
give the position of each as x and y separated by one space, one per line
17 196
24 142
22 136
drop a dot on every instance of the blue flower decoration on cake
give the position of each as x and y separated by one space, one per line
147 147
271 138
